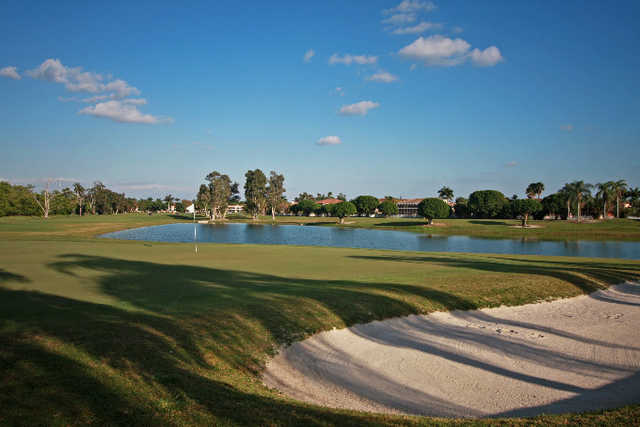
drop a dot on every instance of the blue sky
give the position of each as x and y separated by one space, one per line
149 98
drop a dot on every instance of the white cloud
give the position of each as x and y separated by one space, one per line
358 109
457 30
349 59
76 80
511 164
408 6
10 72
567 128
123 111
486 58
413 67
437 50
416 29
338 91
383 76
308 55
112 96
329 140
400 19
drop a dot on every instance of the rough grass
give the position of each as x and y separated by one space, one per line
613 229
121 332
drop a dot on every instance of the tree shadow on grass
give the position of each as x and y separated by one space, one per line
488 222
6 276
185 334
588 277
192 336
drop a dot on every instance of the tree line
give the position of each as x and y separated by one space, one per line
76 199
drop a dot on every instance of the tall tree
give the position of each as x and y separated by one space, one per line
255 189
576 191
203 199
79 192
168 199
535 189
619 188
220 193
446 193
366 205
275 192
605 194
45 203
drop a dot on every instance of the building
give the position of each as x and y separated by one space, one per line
190 209
408 207
234 209
325 202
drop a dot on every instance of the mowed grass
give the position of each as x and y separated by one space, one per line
108 332
612 229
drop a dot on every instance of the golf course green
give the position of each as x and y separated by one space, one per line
108 332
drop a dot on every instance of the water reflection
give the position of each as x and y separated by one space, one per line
375 239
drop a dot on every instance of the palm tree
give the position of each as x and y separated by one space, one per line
619 188
535 189
168 198
79 191
445 193
576 191
605 193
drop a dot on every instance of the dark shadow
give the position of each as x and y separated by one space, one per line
401 224
6 276
586 276
179 327
183 328
481 222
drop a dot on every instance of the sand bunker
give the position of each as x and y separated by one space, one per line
569 355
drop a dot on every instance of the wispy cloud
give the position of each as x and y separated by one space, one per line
407 13
112 96
352 59
567 127
417 29
308 55
511 164
442 51
10 72
383 76
125 111
338 91
329 140
358 109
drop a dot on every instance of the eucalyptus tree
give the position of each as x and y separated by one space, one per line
619 188
203 199
535 189
275 192
79 192
219 194
446 193
45 203
255 190
605 194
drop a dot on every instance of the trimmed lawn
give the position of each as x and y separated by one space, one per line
114 332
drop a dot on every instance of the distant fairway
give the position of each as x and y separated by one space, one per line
122 332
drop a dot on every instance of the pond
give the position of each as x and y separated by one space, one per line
345 237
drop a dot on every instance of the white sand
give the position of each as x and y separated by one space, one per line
569 355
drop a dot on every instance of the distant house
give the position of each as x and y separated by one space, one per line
325 202
408 207
190 209
234 209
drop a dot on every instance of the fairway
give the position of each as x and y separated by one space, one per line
118 332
